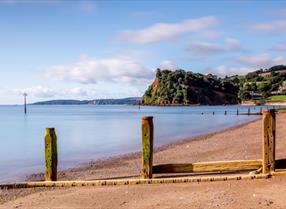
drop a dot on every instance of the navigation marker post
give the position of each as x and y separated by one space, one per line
25 102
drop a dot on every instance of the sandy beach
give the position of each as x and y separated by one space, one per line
237 143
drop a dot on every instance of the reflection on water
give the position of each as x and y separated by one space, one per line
90 132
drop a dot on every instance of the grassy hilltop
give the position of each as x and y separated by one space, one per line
185 87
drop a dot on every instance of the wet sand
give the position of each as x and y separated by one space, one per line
238 143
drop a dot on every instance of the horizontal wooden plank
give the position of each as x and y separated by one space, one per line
237 165
133 181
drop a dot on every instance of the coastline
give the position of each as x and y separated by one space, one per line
240 142
108 162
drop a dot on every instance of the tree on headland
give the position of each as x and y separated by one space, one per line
186 87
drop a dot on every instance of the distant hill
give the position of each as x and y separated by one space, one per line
61 102
123 101
185 87
263 83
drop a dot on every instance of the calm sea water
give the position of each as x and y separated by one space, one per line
90 132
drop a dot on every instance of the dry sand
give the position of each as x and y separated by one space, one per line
241 142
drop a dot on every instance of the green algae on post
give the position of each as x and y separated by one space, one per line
51 154
147 147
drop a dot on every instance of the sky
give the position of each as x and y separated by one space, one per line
68 49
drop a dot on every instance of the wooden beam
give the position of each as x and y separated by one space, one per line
51 154
268 141
133 181
236 165
147 147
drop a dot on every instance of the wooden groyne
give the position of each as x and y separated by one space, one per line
121 182
213 171
266 164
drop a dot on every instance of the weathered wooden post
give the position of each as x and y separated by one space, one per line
147 147
248 112
268 141
225 112
237 112
51 154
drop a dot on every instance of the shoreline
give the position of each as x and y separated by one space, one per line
106 162
239 142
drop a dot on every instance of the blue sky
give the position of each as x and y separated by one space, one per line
66 49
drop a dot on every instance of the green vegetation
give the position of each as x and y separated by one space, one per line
185 87
278 98
181 87
262 84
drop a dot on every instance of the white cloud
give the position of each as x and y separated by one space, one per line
166 31
37 91
46 92
76 92
224 70
279 47
232 44
209 34
275 27
168 65
87 7
206 48
260 60
88 70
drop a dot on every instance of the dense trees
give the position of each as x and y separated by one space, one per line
178 87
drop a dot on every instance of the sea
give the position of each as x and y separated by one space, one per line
92 132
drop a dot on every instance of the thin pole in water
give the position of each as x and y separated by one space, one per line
25 103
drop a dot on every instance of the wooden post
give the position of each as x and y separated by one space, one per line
268 143
260 110
147 147
248 112
51 154
213 113
25 103
237 112
225 112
